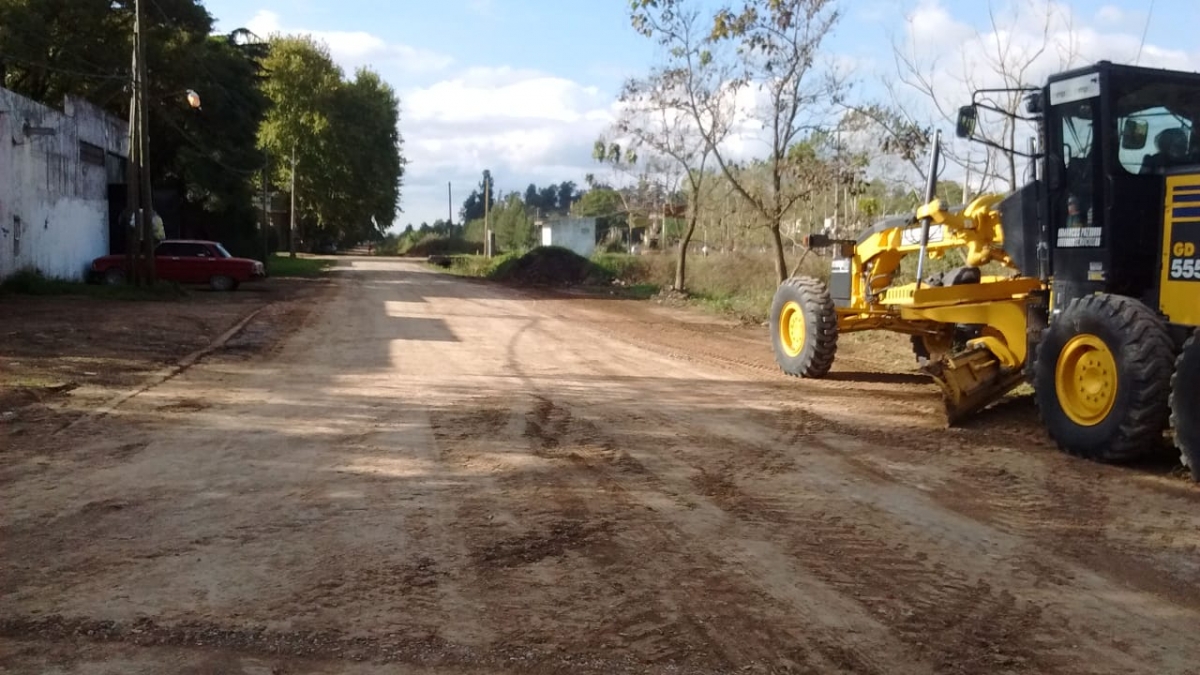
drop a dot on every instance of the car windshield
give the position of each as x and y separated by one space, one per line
222 252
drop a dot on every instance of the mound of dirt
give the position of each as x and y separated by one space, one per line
551 266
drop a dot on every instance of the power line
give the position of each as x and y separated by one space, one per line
191 140
1145 32
65 71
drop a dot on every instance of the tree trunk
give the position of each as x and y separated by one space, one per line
781 270
681 265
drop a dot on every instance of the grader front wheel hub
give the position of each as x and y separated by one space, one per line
792 329
1085 380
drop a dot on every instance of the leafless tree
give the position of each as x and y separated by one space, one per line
1003 57
767 51
642 183
655 117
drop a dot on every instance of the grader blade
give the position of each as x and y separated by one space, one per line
971 381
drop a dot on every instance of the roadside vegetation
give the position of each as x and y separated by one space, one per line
737 285
33 283
282 265
271 103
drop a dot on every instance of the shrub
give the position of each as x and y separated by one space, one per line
33 282
433 244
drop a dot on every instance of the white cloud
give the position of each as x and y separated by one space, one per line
1110 14
491 94
524 126
352 49
1042 38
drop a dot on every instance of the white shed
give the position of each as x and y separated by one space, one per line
55 171
576 234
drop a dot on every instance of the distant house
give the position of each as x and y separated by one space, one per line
576 234
57 170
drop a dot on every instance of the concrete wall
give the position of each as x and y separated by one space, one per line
55 168
577 234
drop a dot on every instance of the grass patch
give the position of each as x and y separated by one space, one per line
752 308
740 285
429 245
30 282
637 291
736 284
478 266
281 265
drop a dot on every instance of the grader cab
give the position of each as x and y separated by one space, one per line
1093 290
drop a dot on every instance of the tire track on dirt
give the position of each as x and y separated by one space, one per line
684 518
930 588
741 626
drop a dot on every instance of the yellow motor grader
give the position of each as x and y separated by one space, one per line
1095 297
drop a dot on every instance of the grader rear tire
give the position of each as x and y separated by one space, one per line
804 328
1185 404
1103 377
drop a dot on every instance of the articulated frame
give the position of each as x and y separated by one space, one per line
991 364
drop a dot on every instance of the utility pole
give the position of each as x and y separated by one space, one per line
837 186
450 202
144 156
487 227
292 227
132 223
266 215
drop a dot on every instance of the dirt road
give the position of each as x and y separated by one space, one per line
440 476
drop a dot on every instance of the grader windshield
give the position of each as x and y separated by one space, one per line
1157 122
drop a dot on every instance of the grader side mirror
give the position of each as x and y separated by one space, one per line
967 116
1134 134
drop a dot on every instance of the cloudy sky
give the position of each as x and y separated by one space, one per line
523 87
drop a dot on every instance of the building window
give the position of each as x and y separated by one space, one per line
91 154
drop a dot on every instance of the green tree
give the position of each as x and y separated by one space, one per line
532 198
302 84
206 160
473 207
655 117
368 157
548 199
512 224
567 195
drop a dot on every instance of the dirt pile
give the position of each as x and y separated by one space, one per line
551 266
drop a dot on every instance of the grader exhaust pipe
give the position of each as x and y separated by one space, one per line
930 195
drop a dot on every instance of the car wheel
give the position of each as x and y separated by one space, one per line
222 284
114 277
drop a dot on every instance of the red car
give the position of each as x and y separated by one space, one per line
188 262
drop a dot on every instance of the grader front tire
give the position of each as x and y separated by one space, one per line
1185 404
804 329
1103 376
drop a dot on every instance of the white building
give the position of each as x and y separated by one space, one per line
576 234
55 171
